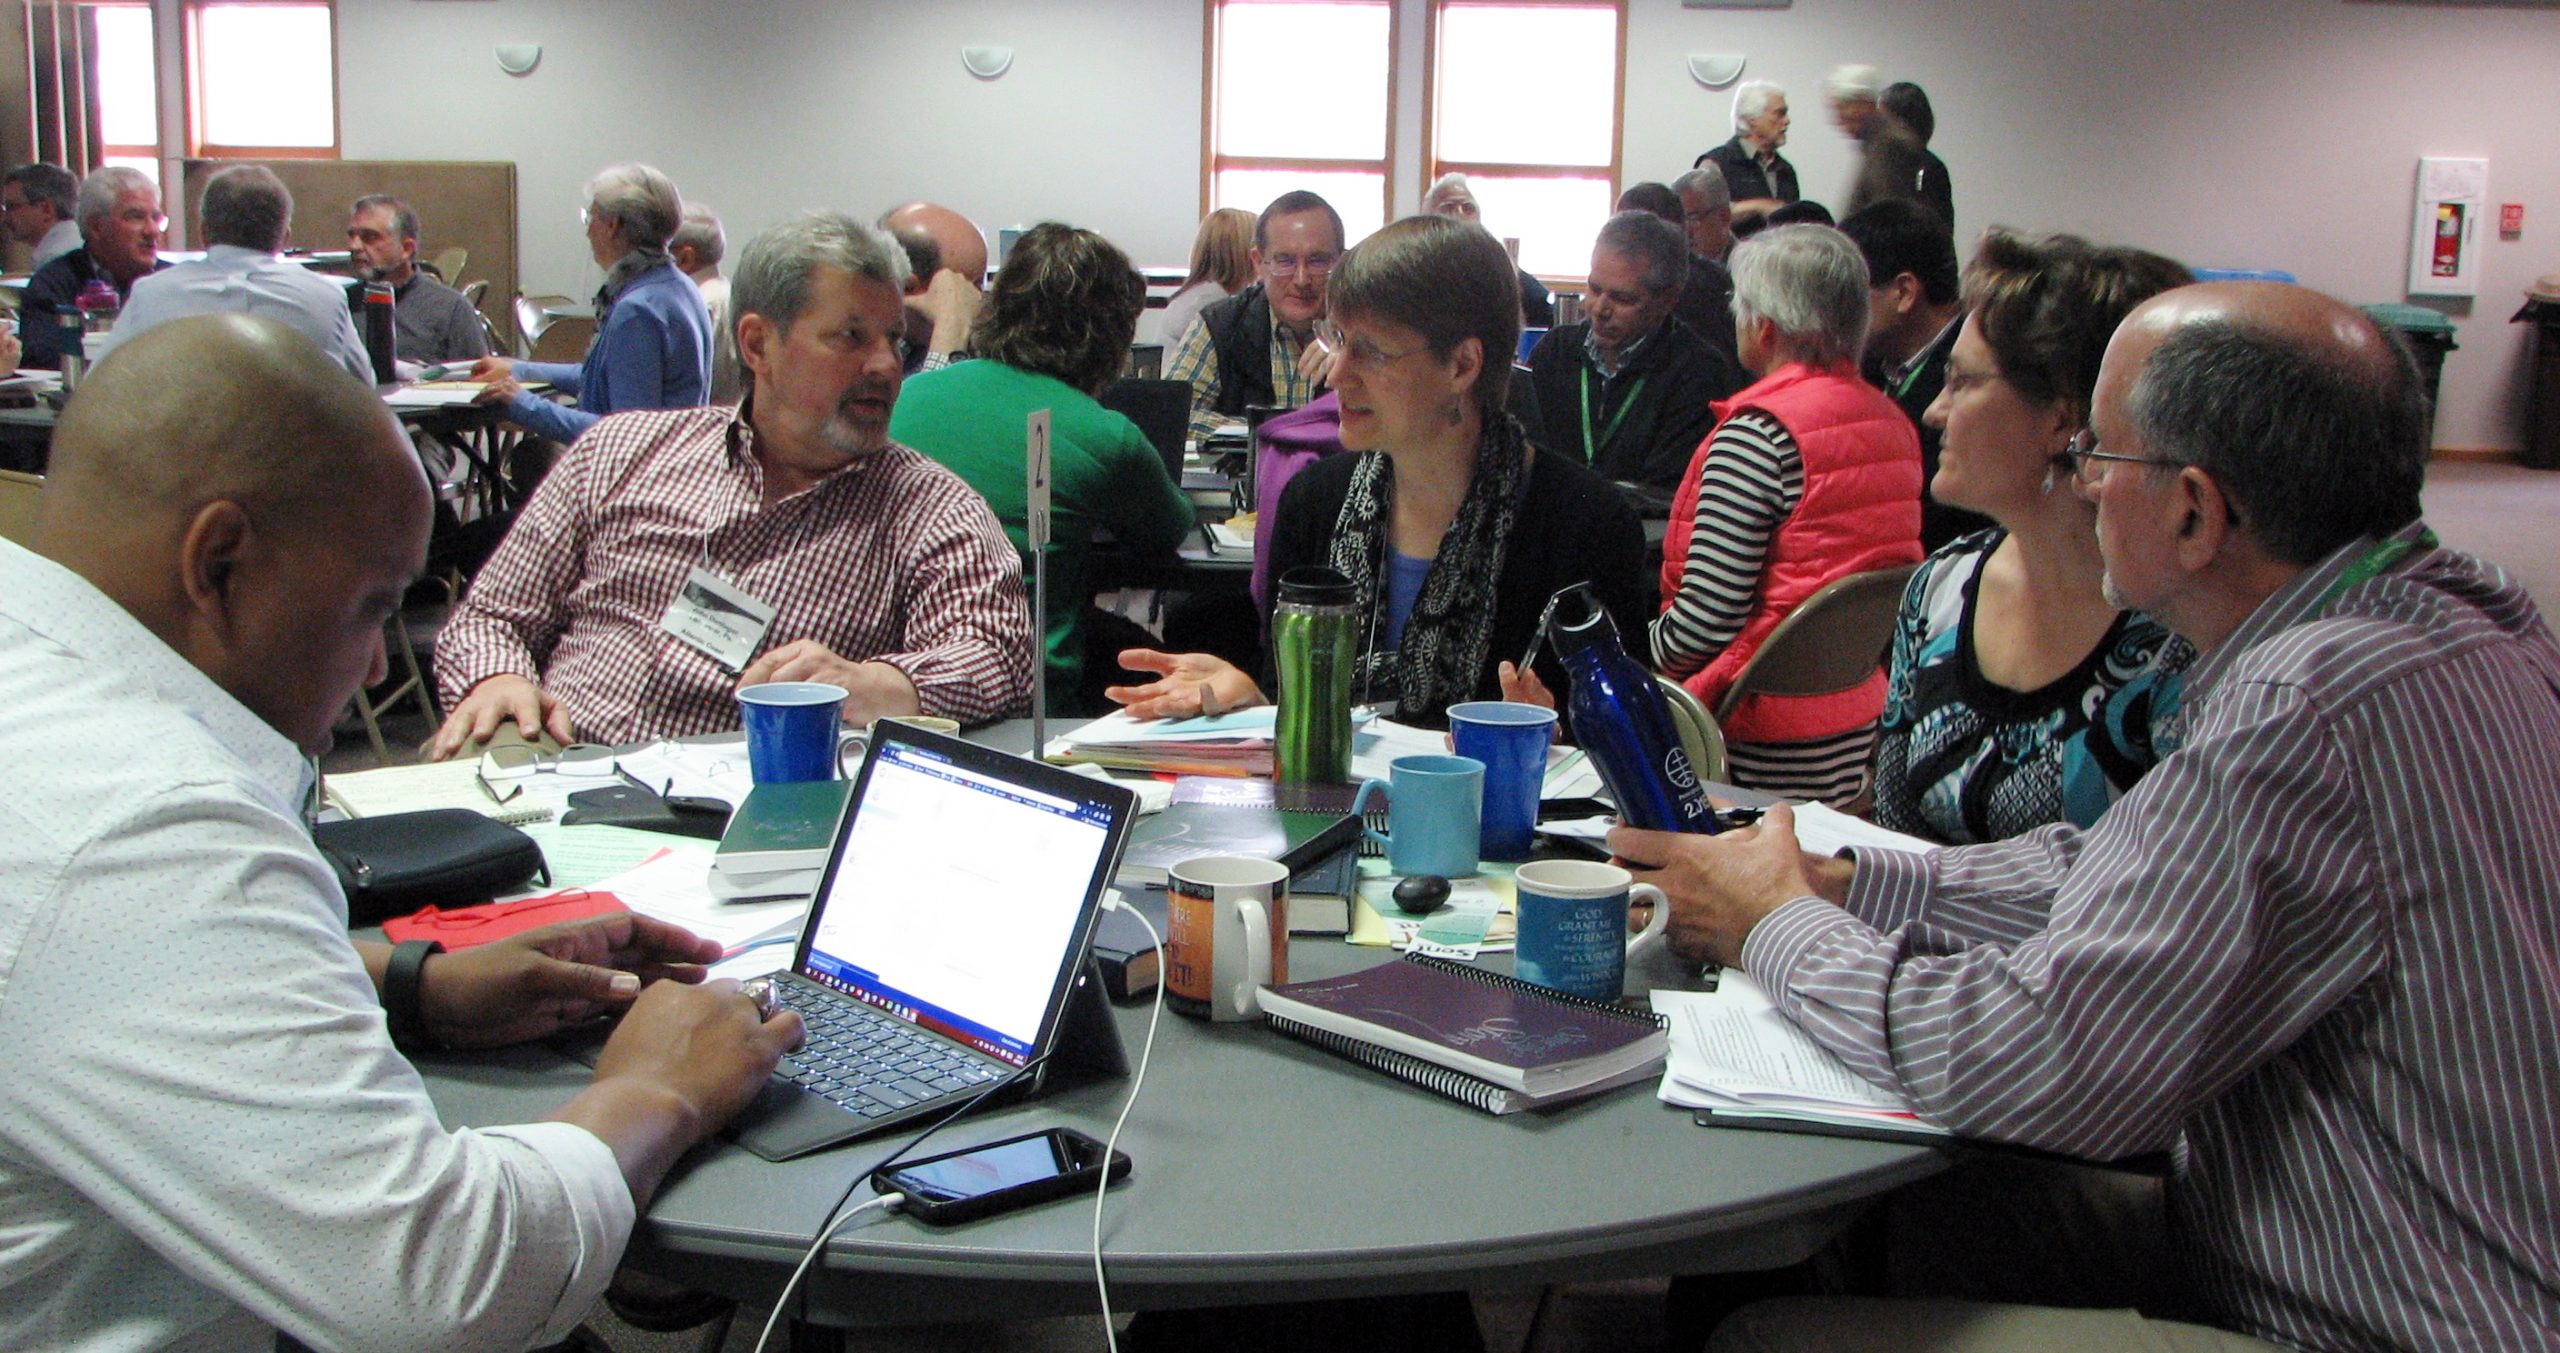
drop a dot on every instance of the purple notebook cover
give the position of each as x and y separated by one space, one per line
1520 1029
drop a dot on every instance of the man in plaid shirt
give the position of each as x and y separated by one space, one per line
825 551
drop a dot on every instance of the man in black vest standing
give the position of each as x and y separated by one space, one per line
1258 346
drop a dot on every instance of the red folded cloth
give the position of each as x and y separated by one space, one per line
462 927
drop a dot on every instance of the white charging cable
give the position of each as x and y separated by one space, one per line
887 1202
1112 901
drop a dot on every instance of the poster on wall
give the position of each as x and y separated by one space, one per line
2444 239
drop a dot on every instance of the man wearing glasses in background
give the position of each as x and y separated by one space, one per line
120 225
39 202
1256 347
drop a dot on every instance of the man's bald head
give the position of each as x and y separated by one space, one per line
963 245
249 503
223 406
2308 416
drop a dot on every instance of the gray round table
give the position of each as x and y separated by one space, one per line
1265 1170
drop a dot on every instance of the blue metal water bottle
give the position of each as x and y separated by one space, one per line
1619 719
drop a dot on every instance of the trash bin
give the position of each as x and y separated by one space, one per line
2429 336
2542 419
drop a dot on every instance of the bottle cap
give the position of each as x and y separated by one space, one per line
1575 619
1317 586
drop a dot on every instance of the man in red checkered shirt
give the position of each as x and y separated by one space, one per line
674 556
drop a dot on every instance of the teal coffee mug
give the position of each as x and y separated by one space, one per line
1573 925
1434 809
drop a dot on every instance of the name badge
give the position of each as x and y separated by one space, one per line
718 619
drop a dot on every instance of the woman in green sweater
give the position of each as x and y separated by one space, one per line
1056 331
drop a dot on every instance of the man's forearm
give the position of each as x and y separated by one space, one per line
648 1128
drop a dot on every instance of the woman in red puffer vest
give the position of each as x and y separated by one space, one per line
1810 475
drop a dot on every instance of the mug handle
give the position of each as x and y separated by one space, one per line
1257 955
1359 802
1653 928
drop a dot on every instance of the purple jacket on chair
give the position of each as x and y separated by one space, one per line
1287 443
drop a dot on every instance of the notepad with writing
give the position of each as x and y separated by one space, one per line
1478 1037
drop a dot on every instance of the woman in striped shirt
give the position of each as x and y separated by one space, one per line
2018 694
1811 475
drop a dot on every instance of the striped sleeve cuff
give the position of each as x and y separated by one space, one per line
1785 938
600 1212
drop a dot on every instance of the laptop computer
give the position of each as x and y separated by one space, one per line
945 948
1161 409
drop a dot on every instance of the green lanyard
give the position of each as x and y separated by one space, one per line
1910 377
1590 448
2372 562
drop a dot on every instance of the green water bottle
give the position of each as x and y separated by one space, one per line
1315 634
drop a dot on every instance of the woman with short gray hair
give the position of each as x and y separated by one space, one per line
1812 475
652 348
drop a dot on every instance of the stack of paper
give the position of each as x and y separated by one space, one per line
1224 744
1734 1053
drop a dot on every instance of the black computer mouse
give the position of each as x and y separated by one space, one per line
1421 894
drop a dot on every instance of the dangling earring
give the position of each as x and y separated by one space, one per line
1456 414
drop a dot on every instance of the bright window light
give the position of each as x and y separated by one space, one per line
1555 219
1522 84
1359 197
128 92
266 76
1303 80
142 164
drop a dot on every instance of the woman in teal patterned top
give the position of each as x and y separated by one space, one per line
2019 695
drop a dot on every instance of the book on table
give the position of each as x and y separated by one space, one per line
1298 838
1476 1036
782 829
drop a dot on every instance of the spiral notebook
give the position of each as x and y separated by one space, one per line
1478 1037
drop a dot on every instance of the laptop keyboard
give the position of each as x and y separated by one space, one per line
867 1062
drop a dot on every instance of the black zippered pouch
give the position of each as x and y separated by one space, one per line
443 857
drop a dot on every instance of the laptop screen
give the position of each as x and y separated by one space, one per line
960 890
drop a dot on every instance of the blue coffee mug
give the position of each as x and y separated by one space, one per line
1511 740
1572 917
1434 805
791 730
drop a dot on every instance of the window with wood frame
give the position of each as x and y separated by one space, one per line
262 79
1524 98
1300 95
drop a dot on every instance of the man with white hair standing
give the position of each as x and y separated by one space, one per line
248 216
1759 176
1890 158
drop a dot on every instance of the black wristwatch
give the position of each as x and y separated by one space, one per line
400 995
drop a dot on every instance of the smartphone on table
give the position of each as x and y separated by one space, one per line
981 1181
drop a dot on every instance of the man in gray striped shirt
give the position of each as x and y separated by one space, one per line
2314 956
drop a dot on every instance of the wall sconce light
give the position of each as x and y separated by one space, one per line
987 62
1715 70
519 58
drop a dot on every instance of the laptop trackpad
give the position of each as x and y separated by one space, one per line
786 1121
